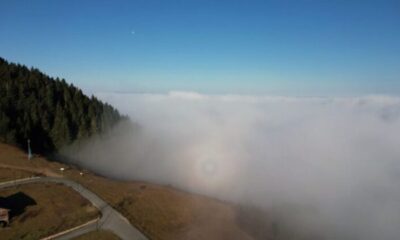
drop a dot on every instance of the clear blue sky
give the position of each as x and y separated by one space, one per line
279 47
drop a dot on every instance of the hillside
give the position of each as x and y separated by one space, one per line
160 212
52 114
41 210
48 111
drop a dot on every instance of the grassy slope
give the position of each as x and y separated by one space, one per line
160 212
98 235
10 174
57 208
165 213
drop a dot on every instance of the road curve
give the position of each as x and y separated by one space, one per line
111 219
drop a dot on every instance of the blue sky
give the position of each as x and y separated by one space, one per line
314 47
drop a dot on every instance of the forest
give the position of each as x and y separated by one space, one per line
47 111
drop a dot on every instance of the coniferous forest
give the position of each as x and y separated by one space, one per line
48 111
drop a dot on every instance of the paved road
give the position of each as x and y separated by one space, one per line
110 220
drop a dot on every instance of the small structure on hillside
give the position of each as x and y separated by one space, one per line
4 216
29 150
13 205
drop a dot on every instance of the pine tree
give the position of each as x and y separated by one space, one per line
49 111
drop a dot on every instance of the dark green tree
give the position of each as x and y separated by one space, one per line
50 112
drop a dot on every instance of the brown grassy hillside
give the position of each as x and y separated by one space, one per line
41 210
160 212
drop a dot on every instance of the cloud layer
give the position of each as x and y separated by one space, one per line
337 157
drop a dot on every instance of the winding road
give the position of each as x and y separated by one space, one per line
110 218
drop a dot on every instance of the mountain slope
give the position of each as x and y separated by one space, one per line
49 112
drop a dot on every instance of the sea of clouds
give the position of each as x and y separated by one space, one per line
339 157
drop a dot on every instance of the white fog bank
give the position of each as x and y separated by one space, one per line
340 157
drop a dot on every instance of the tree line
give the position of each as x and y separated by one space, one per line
48 111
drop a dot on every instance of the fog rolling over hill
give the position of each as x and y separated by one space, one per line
329 167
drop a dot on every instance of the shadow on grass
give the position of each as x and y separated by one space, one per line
16 203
